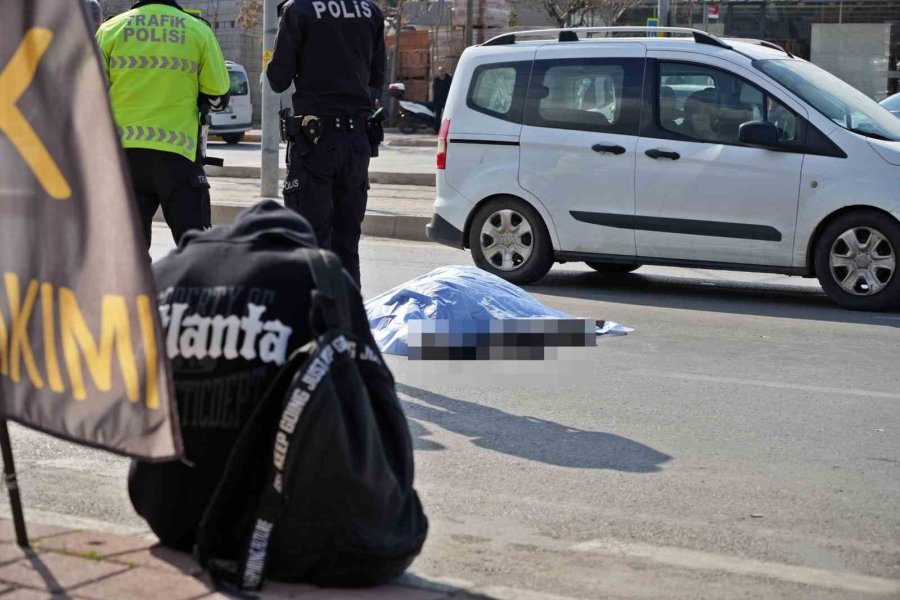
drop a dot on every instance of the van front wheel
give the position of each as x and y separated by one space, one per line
857 261
508 238
233 138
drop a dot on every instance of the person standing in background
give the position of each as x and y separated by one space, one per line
161 64
334 55
440 89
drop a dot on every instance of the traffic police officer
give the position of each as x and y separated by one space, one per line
333 52
160 61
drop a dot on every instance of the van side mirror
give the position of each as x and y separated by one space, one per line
758 133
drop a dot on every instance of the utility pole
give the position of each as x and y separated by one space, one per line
470 8
663 13
271 138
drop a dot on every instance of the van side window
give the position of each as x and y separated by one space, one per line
709 105
784 119
585 95
498 90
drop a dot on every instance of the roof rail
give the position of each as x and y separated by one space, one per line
571 34
765 43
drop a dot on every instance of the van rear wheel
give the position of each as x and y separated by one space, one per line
857 262
233 138
508 238
612 268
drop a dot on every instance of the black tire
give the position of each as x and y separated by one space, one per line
525 269
860 223
407 128
233 138
612 268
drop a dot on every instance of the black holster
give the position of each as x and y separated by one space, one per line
375 132
289 126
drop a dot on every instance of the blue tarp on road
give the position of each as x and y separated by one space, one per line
455 293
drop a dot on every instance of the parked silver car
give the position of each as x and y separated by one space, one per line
892 103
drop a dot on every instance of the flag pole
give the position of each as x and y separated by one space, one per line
12 484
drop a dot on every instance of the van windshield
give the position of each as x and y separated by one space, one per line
837 100
239 85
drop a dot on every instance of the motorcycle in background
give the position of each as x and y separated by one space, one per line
411 116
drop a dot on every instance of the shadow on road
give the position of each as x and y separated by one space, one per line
526 437
716 295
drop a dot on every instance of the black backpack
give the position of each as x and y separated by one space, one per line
319 486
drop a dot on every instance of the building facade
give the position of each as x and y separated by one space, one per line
817 30
238 45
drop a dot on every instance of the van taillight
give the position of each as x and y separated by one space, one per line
442 144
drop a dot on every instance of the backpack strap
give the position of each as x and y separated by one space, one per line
254 557
217 533
331 306
330 310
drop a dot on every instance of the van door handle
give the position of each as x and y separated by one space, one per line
612 149
654 154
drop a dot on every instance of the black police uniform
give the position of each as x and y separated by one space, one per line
333 51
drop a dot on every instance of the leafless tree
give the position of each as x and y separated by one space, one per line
608 12
578 13
442 13
395 18
562 13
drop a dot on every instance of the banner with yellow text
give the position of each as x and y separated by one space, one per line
81 354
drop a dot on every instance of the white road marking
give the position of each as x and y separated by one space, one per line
773 384
707 561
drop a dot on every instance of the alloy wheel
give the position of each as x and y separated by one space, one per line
506 240
862 261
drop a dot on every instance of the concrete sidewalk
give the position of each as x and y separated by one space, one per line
375 177
409 163
71 564
393 211
391 138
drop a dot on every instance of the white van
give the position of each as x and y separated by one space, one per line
231 123
695 151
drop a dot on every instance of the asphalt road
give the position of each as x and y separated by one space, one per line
742 442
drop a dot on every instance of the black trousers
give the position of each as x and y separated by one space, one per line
177 184
327 184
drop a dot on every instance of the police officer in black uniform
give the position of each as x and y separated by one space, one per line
333 51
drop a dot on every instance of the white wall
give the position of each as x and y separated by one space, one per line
858 53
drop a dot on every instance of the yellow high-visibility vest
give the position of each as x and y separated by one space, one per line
157 59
